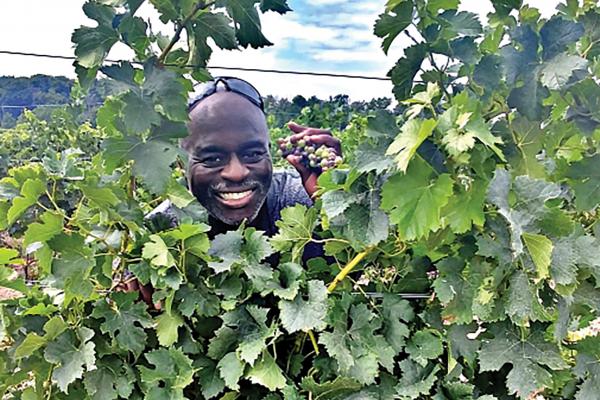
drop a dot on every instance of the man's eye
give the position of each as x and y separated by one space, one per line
211 161
253 156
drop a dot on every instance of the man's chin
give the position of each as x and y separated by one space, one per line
235 216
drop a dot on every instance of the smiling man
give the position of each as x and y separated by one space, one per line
230 168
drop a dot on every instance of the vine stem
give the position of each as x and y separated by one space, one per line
313 340
348 268
200 6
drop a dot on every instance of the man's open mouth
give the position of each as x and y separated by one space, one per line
235 199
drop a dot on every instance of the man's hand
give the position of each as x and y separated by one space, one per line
318 137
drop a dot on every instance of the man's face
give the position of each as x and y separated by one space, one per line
230 164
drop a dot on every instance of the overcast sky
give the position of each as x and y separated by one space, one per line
319 35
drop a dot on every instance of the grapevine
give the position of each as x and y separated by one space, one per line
460 237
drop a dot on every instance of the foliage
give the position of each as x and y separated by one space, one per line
482 196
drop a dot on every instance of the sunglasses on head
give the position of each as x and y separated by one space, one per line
230 84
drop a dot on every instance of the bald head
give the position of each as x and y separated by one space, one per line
224 110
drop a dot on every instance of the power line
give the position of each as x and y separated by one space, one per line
273 71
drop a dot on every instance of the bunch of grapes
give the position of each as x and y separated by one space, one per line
320 158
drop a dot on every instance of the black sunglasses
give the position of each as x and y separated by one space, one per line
231 84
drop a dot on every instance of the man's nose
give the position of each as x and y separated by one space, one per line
235 170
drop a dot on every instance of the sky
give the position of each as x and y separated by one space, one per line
318 35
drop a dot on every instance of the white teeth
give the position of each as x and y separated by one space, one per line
235 195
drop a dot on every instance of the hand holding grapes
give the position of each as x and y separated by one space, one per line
311 151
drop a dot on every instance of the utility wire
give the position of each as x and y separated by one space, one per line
273 71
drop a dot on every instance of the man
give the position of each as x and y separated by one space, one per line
230 169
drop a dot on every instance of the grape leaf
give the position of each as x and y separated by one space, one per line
339 388
423 346
210 381
231 370
246 22
124 320
71 352
415 200
172 371
466 209
586 182
388 26
266 373
555 73
167 325
31 190
557 33
416 381
295 230
411 136
304 315
51 226
540 249
406 68
522 304
157 252
227 247
92 44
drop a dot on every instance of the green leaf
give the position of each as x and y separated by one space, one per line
41 232
210 381
109 381
363 223
31 190
396 310
415 200
227 247
406 68
93 44
540 249
231 370
71 353
388 26
172 372
461 23
416 381
522 302
247 23
466 209
295 230
557 34
340 387
266 373
411 136
279 6
167 326
556 72
157 252
30 345
124 320
527 379
102 197
335 202
152 159
423 346
586 176
305 315
527 99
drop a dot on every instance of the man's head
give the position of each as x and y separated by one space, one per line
230 164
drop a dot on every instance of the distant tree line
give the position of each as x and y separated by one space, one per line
42 93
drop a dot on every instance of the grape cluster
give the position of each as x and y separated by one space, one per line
319 158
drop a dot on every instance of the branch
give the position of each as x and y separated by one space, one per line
200 6
347 269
